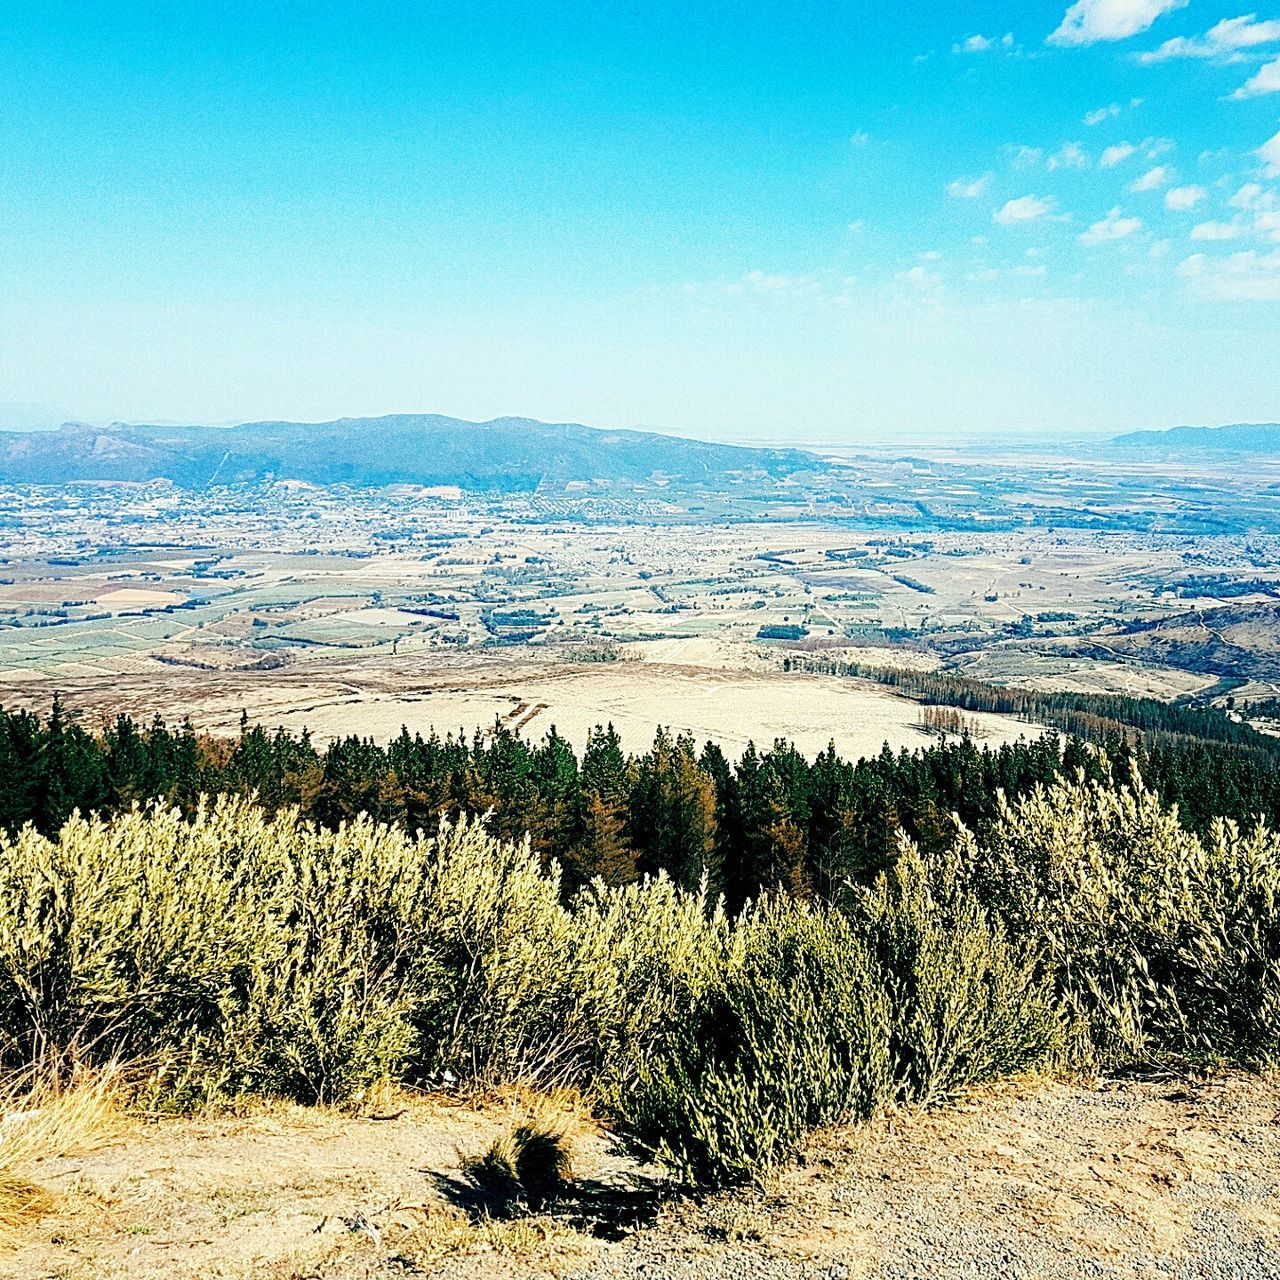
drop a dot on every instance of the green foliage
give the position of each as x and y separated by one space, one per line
1157 941
820 1016
234 951
243 950
529 989
967 1004
791 1034
772 819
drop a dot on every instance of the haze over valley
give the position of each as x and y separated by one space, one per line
514 572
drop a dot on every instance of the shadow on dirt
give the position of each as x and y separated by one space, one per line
607 1210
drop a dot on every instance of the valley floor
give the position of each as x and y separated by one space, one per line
375 697
1157 1177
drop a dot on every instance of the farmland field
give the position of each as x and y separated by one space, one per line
361 610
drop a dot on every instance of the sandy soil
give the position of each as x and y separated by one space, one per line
1155 1177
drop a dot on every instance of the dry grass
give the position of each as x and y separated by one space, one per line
419 1237
531 1162
42 1116
441 1231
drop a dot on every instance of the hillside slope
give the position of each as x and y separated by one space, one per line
1229 640
504 455
1242 437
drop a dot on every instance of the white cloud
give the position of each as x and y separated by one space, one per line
1152 180
769 282
1253 196
1089 21
921 277
1225 40
1241 277
1266 80
1270 153
1116 154
859 139
925 285
1101 114
1183 198
1024 157
1232 230
1069 156
1112 227
1268 224
1023 209
989 275
983 44
827 288
968 188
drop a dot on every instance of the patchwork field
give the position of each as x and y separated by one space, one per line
356 611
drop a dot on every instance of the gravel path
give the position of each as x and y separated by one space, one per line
1132 1179
1163 1179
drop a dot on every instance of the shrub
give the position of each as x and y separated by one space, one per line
820 1017
231 952
1156 942
792 1034
642 954
500 943
240 952
966 1004
527 989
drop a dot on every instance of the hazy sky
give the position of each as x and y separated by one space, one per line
819 221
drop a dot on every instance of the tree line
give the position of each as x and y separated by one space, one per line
771 819
1095 717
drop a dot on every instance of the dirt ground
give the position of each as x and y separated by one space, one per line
1125 1178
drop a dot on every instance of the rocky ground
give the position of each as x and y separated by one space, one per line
1144 1178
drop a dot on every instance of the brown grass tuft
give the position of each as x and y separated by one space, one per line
533 1162
42 1117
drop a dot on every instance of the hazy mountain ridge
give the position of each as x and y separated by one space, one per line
504 454
1239 437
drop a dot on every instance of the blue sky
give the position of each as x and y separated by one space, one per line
810 221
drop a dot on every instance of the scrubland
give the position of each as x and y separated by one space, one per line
238 955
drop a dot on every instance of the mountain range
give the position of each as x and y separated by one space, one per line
509 455
1241 437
